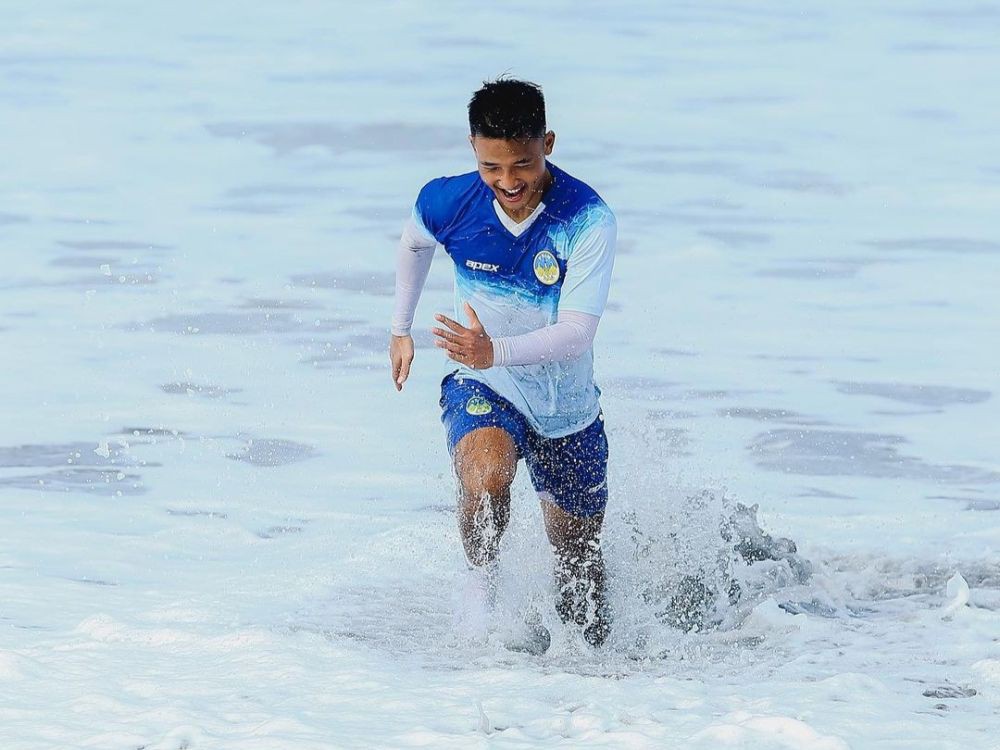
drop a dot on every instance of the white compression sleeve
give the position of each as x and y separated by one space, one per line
413 263
568 338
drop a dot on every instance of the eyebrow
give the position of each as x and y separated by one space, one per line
495 164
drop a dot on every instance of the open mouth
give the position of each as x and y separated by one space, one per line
513 196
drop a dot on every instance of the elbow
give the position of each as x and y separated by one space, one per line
576 350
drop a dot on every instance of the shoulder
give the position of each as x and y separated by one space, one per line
443 199
578 207
446 191
575 203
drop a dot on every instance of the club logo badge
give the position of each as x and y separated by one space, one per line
546 268
477 406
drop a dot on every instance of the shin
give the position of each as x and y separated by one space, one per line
485 462
579 571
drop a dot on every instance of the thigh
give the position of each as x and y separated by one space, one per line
572 471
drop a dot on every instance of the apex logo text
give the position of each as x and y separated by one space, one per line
475 265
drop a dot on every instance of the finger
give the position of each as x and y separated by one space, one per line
473 318
450 347
446 335
404 373
456 327
395 362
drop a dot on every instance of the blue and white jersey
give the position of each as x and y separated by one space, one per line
518 281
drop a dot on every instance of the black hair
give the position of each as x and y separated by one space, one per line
507 108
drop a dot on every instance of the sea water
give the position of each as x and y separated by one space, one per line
220 526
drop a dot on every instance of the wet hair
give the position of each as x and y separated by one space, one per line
508 109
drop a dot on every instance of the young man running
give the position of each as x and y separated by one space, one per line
533 250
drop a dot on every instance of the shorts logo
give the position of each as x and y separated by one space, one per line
546 268
477 406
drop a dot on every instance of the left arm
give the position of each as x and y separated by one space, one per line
568 338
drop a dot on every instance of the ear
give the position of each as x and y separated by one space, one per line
550 141
472 142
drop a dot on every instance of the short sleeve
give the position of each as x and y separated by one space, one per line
415 234
428 211
588 269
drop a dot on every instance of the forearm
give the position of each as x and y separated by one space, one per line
567 339
413 263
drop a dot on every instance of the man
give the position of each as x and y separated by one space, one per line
533 250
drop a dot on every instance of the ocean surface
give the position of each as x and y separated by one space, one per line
221 527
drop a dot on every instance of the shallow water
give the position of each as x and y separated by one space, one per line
219 524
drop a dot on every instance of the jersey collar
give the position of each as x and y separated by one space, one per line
514 227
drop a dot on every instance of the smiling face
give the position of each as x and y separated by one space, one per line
515 170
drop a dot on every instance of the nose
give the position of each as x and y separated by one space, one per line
507 181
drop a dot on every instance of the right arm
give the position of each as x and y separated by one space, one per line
413 262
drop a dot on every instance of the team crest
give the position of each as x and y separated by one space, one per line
546 268
477 406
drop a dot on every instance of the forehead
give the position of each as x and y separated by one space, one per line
503 151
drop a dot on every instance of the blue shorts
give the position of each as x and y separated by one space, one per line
572 470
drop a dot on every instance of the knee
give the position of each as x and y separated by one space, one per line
485 462
572 537
485 476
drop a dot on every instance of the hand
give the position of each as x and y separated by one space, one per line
400 355
470 346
